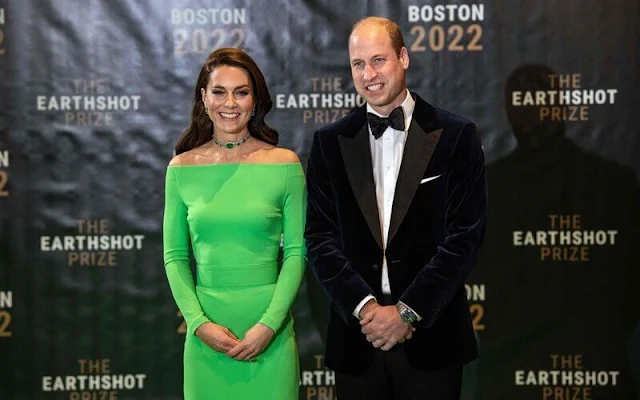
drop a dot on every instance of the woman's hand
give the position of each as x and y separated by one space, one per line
255 341
217 337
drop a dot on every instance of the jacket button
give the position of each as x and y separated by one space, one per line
376 267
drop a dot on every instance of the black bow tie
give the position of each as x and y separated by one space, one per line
378 124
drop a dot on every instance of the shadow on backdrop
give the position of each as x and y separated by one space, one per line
546 299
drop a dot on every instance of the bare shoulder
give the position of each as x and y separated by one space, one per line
198 155
191 157
280 155
181 159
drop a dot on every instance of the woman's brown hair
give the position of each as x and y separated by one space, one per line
201 128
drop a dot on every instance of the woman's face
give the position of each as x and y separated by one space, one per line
230 100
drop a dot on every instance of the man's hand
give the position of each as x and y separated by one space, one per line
408 335
216 336
368 307
383 327
254 342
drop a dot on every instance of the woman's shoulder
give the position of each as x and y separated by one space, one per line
263 153
269 154
181 159
195 156
280 155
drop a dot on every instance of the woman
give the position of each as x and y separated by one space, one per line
232 194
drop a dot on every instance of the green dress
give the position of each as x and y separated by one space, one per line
235 217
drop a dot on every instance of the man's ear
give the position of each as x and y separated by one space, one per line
404 57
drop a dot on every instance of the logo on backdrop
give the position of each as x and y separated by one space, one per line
89 103
95 380
446 27
568 378
4 173
318 383
93 245
566 239
326 101
563 98
202 30
6 304
2 37
476 295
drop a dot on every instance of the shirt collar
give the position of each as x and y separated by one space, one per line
407 107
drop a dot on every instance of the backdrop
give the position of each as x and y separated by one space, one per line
94 95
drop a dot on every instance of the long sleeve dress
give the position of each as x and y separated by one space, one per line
235 217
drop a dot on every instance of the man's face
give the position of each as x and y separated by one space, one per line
377 71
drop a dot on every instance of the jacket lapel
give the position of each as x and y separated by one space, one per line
356 154
415 160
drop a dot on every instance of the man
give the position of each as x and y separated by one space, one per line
397 203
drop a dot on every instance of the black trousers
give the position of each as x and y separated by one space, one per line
391 377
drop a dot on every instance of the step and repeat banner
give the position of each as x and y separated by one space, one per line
94 94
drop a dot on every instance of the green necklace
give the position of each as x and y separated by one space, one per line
230 145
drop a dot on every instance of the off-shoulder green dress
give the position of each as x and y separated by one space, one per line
235 216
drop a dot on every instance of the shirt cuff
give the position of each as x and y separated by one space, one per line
356 312
418 317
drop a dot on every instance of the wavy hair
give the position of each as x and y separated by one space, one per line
201 128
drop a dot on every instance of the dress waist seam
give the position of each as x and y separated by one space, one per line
236 266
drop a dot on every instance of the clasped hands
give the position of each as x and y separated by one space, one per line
383 326
222 340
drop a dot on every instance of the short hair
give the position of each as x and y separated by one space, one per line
395 34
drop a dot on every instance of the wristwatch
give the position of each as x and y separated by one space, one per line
406 314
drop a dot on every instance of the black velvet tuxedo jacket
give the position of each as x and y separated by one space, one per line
436 229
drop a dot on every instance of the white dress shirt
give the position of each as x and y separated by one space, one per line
386 154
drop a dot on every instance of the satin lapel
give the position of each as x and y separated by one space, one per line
417 153
356 154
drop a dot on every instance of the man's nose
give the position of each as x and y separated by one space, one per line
368 73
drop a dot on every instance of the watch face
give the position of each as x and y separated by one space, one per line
407 315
